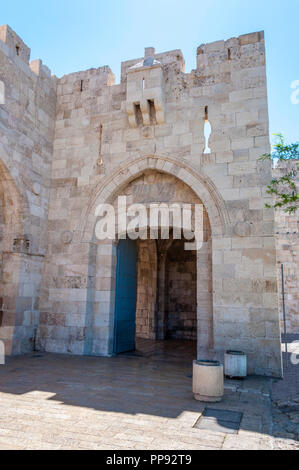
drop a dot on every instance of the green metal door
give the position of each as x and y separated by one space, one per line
125 297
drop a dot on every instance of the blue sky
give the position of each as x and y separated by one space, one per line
73 35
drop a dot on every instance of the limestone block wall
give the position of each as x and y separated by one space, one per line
146 289
69 318
27 120
287 242
181 293
97 153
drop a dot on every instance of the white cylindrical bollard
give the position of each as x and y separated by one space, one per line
235 364
208 381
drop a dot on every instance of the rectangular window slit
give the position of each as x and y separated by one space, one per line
229 54
206 113
81 85
152 112
138 114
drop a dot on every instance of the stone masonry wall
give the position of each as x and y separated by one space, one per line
107 135
146 289
94 148
27 120
287 242
181 293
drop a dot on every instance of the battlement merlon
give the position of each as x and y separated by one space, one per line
230 49
207 55
94 78
16 49
15 43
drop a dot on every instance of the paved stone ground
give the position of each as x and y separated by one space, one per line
285 394
127 402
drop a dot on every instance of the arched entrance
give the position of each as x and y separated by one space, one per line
102 255
155 295
170 285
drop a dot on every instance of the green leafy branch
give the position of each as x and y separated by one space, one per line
284 189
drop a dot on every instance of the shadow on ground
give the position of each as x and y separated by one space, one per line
285 393
156 385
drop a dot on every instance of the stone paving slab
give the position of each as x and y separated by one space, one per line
285 394
67 402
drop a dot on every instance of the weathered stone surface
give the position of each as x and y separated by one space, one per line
69 144
242 229
287 244
27 119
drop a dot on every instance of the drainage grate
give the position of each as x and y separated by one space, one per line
224 421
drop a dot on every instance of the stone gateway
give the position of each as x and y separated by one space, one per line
159 136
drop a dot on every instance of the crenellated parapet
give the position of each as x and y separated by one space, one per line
233 50
16 45
146 91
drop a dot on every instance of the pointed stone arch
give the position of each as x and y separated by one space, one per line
103 258
201 184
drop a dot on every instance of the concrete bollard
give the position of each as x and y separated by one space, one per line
208 381
2 353
235 364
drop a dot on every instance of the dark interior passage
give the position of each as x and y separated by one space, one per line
166 294
180 292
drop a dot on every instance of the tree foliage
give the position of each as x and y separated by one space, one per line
284 189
